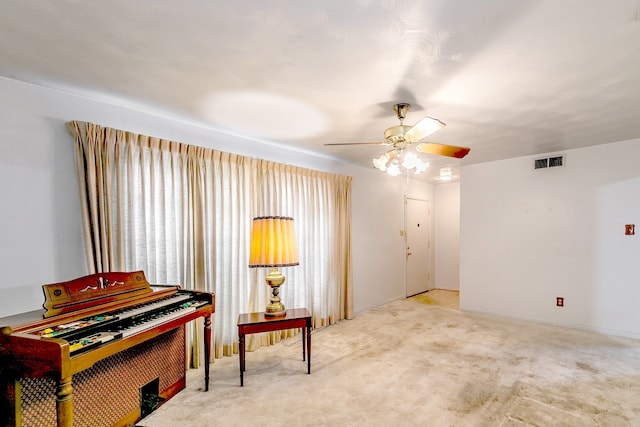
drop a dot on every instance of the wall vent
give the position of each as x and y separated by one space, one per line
547 162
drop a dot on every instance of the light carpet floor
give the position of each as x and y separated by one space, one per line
410 363
440 297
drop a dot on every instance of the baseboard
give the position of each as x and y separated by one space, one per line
569 325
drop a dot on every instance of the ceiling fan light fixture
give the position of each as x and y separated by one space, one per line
395 161
401 138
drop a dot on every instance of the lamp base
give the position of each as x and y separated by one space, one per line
275 309
274 279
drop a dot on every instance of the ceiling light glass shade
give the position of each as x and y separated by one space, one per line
381 162
397 161
410 160
421 167
394 168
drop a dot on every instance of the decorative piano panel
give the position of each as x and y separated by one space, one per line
108 393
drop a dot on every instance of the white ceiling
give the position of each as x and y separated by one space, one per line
509 78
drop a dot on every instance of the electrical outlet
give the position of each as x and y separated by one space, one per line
560 301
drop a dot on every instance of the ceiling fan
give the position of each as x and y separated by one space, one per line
401 136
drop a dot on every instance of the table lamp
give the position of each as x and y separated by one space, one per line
273 245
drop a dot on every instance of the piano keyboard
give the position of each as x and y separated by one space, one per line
146 308
157 319
81 328
83 334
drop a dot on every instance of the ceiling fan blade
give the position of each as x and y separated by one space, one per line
442 150
426 126
358 143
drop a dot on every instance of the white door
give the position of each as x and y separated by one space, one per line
418 239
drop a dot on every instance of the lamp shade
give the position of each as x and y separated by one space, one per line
273 242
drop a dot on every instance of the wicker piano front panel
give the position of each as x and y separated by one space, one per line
110 389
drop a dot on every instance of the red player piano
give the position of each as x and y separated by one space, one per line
111 335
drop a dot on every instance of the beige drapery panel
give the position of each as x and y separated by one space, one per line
183 214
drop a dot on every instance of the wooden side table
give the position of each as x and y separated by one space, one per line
252 323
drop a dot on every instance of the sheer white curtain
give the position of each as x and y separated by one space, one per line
183 215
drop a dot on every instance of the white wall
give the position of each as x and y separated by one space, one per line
380 277
529 236
40 225
39 215
447 236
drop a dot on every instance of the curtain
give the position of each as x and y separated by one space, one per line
183 213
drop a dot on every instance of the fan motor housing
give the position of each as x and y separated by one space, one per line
395 134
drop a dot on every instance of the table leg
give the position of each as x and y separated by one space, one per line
241 351
304 342
308 347
207 350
